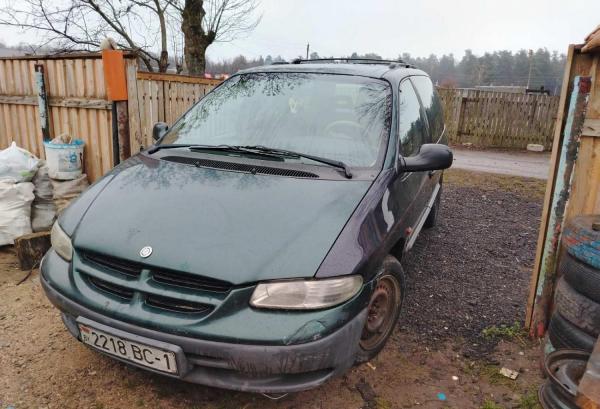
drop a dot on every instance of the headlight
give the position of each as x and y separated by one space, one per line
305 294
61 242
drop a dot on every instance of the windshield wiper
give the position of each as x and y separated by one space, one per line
168 146
257 150
225 148
285 152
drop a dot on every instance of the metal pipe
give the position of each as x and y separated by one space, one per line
40 83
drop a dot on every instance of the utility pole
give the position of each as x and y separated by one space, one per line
530 66
307 49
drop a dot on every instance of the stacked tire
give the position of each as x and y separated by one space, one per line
575 323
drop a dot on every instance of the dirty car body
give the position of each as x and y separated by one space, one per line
214 260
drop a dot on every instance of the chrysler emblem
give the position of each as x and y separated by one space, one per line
146 251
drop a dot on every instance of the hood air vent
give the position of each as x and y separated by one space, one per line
239 167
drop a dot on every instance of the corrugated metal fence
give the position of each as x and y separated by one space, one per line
499 119
77 102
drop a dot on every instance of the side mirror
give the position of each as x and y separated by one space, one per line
432 156
159 130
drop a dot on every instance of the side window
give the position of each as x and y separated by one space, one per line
432 104
412 128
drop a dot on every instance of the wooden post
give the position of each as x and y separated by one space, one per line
588 390
566 162
40 83
461 114
577 65
31 248
133 106
123 130
116 89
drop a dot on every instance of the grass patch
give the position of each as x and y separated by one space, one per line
529 401
490 404
492 374
382 403
527 187
511 332
503 331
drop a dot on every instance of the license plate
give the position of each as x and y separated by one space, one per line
136 352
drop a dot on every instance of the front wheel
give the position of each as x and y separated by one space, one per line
432 217
383 310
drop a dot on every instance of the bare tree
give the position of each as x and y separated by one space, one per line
81 25
149 28
204 22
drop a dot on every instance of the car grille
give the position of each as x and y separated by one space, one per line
117 290
175 305
121 266
123 279
189 281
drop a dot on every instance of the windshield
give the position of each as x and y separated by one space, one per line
340 117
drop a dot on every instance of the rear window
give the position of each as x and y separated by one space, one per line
341 117
432 104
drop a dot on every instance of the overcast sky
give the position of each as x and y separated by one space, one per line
420 27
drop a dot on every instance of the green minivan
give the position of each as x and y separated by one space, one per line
257 244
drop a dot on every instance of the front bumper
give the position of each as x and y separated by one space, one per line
244 367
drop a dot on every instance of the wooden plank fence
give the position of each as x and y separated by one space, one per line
77 104
161 98
499 119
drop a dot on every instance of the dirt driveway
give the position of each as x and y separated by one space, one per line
467 286
515 163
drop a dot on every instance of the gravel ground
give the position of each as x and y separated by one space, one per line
472 271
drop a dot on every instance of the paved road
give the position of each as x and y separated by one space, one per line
529 164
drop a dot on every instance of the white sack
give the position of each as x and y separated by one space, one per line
17 164
64 191
15 209
43 209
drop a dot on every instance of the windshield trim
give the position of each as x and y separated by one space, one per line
386 136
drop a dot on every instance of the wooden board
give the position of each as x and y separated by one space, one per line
584 194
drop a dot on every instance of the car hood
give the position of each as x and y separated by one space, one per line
231 226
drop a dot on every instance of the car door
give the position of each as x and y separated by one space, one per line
409 190
432 112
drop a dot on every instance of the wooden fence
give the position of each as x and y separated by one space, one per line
499 119
77 105
161 97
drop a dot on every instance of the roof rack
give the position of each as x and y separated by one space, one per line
391 63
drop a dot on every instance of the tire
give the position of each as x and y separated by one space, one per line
432 217
387 295
577 309
582 277
563 335
549 397
582 241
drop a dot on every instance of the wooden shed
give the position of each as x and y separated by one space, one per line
573 187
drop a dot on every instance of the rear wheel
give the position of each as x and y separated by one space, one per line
383 310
